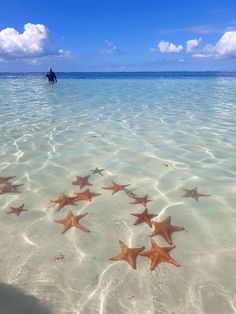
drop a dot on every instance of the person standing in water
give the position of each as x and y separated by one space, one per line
51 76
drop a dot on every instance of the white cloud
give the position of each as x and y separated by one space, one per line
227 44
166 47
192 43
33 42
225 47
110 49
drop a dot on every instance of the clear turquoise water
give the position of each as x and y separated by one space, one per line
133 128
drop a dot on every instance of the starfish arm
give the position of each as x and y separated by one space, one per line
167 249
167 236
116 258
139 250
176 228
77 225
167 220
154 262
61 221
148 221
107 188
145 253
122 245
66 228
155 231
172 261
137 221
60 206
132 261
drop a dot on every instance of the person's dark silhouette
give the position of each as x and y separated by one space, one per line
51 76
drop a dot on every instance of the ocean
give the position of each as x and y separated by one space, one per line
162 134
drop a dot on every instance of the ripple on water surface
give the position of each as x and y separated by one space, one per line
160 136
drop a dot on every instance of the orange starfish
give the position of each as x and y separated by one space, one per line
159 255
81 181
10 188
116 187
144 217
17 210
85 196
127 254
64 200
5 179
140 200
194 194
71 220
165 228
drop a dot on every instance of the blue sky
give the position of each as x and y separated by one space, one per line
124 35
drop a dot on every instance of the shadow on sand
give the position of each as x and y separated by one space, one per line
14 301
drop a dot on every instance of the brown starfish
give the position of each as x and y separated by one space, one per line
64 200
159 255
71 220
194 194
10 188
99 171
128 254
116 187
81 181
140 200
85 196
59 257
17 210
165 228
5 179
144 217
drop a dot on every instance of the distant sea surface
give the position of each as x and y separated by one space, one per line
122 75
160 133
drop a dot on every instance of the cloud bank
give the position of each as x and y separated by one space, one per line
225 47
33 42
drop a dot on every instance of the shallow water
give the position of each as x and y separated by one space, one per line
158 135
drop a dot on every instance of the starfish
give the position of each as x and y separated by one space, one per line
59 257
116 187
144 217
10 188
140 200
5 179
85 196
127 254
193 193
165 228
81 181
64 200
17 210
99 171
71 220
159 255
